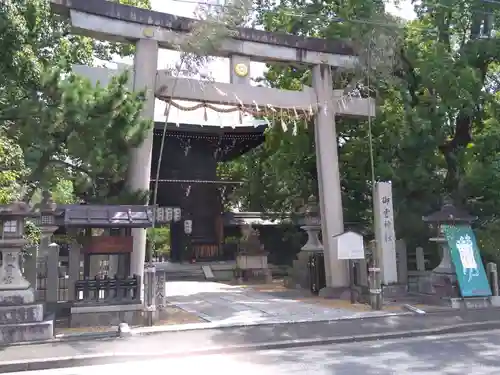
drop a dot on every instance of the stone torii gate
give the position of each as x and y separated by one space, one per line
150 30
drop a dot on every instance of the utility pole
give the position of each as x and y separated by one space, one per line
374 279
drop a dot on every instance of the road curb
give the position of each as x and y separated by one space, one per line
203 326
110 358
112 333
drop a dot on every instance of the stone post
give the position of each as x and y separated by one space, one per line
46 221
420 258
52 295
73 269
139 175
402 262
161 293
383 209
330 198
30 267
150 294
493 277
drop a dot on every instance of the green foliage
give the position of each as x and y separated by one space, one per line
68 129
160 238
436 83
12 169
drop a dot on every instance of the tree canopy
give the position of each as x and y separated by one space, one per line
67 129
436 133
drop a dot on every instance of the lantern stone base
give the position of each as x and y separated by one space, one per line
20 314
444 285
21 320
17 297
299 277
253 267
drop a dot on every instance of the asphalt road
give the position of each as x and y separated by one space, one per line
477 353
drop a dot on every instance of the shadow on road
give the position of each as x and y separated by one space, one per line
445 355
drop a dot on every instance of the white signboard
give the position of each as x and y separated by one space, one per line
350 246
384 231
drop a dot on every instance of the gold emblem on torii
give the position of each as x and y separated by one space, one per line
241 70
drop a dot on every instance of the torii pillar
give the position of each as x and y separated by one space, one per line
139 172
327 164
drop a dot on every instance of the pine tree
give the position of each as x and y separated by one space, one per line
65 127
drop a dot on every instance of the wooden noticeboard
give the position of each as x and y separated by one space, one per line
108 245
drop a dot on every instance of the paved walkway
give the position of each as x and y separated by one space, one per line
228 304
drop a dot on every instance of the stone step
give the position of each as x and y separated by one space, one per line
184 276
26 332
394 291
21 314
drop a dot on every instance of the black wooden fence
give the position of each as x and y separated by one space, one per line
317 276
105 290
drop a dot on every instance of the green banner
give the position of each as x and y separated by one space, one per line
465 255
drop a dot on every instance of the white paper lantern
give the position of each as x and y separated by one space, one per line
188 226
177 214
160 214
169 214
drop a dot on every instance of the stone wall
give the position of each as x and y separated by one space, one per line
103 316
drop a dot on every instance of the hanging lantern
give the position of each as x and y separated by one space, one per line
160 214
169 214
188 226
177 214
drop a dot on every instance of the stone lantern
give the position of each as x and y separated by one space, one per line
12 282
443 278
21 319
251 259
299 274
312 226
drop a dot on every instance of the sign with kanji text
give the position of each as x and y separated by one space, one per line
384 231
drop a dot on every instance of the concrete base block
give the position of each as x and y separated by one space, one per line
106 315
26 332
470 303
21 314
394 291
495 301
257 274
336 293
